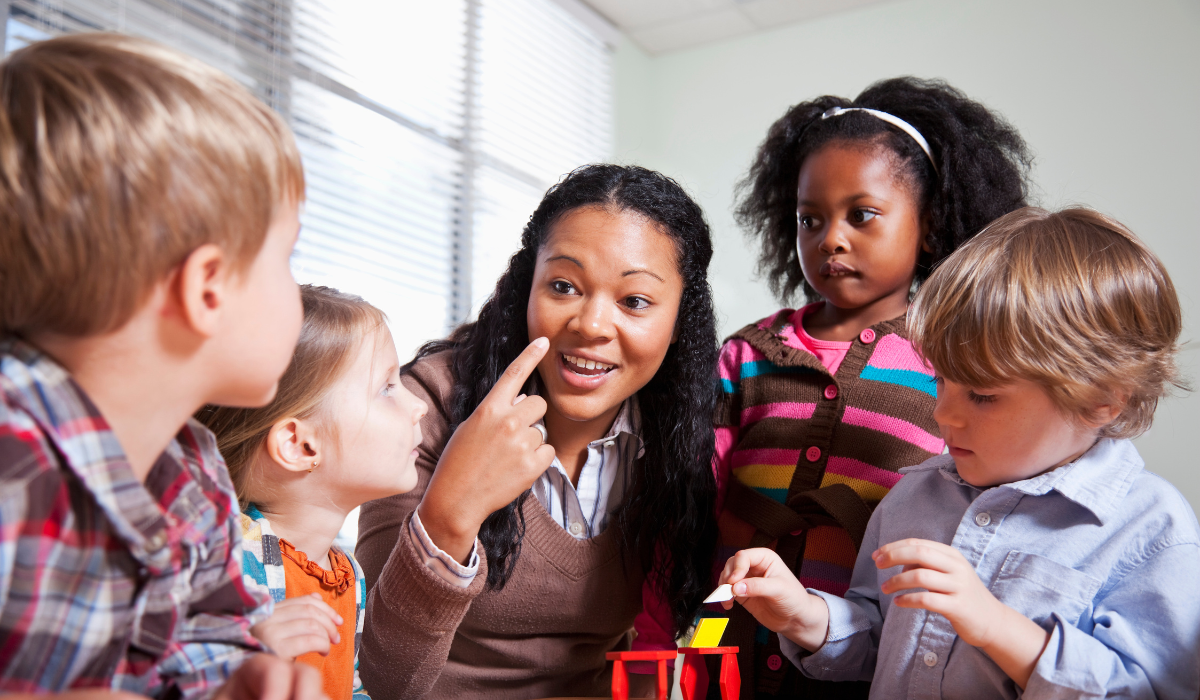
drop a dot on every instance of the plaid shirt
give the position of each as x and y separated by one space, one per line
106 582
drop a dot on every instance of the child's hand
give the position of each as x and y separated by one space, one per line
765 586
299 625
953 588
267 677
954 591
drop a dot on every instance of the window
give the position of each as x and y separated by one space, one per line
429 130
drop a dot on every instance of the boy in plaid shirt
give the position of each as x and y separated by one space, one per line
148 208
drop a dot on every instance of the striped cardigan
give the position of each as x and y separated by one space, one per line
804 456
262 566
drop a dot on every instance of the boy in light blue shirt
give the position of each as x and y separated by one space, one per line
1038 559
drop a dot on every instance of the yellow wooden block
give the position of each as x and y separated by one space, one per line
708 632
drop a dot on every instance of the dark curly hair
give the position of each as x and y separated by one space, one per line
667 516
982 169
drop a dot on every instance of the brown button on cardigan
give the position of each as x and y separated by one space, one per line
567 603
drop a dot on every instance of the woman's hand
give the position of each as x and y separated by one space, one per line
955 591
764 585
493 457
299 625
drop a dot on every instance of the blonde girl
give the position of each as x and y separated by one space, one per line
340 431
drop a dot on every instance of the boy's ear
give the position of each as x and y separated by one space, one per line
1104 414
201 285
292 443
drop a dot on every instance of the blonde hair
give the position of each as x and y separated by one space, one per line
118 158
1071 300
335 326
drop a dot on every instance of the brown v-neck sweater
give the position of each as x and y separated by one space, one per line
545 634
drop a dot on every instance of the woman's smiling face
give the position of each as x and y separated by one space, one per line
606 292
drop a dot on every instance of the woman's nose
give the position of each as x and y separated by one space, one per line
594 320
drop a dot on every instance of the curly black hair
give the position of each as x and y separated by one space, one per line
982 169
667 515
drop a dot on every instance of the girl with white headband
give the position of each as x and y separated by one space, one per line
853 202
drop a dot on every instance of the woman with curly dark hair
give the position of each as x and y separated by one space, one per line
853 202
515 565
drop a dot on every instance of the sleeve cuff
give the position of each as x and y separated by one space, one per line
845 654
438 561
1068 667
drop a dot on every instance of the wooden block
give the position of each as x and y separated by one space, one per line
620 681
730 681
693 678
708 632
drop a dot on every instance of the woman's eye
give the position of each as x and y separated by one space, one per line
387 390
562 287
980 398
636 303
862 216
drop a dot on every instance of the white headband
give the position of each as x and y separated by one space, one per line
890 119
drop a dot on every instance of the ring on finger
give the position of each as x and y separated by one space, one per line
541 429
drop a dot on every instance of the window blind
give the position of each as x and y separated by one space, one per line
429 130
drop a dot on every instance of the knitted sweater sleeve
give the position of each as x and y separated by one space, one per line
728 414
412 617
412 613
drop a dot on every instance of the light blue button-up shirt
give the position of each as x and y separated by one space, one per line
1101 553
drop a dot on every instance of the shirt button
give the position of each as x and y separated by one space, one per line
156 542
867 336
813 453
774 662
930 658
609 443
831 392
576 528
983 519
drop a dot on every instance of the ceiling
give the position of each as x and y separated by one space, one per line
659 26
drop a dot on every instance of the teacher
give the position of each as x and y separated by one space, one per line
514 565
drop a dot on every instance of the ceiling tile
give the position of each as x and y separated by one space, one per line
693 31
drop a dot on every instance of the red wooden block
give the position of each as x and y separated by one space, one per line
620 682
693 680
620 679
731 678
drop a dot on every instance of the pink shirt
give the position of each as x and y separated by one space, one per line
829 352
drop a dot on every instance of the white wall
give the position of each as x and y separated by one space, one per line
1106 93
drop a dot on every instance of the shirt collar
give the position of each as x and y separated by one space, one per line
1098 480
628 422
88 447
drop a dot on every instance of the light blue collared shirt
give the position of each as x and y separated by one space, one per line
1101 553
